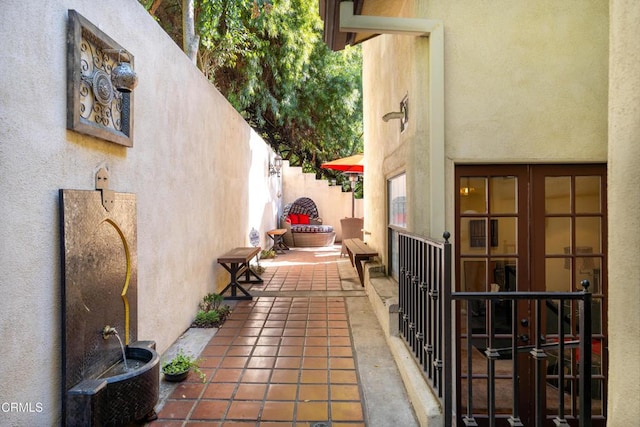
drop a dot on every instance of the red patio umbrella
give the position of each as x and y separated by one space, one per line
351 166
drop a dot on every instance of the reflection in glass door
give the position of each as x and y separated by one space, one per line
569 208
490 249
528 228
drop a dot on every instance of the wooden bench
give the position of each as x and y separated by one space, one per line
359 251
236 262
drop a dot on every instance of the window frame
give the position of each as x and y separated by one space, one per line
394 228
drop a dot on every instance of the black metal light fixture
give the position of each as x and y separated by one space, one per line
274 169
402 115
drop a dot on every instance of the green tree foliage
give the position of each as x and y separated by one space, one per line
268 58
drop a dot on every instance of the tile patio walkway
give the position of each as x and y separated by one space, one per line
285 358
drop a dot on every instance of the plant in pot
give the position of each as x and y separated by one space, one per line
178 368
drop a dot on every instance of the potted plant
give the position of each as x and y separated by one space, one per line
178 368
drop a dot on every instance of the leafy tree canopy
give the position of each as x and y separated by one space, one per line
268 58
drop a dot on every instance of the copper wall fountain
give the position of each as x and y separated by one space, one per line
99 294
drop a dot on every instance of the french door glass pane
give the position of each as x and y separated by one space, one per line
473 236
592 273
473 195
557 275
474 273
588 197
503 275
588 233
503 199
557 194
504 235
588 268
557 235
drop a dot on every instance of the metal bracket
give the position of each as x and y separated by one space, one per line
102 184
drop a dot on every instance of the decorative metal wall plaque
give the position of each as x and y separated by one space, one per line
94 106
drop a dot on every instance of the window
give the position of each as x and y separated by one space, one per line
397 214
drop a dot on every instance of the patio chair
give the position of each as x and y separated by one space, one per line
351 228
304 226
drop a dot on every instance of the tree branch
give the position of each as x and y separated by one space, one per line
154 7
190 40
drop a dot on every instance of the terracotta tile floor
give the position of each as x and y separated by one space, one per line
278 360
298 275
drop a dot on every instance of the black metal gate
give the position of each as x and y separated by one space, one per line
427 305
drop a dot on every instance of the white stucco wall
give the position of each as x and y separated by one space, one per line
199 173
624 205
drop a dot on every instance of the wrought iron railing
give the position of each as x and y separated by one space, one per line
425 321
543 345
427 304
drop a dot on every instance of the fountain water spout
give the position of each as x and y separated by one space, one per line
106 333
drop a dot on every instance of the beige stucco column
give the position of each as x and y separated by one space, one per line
624 214
433 164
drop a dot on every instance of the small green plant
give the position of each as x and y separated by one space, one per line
211 301
206 318
267 253
257 268
212 312
182 363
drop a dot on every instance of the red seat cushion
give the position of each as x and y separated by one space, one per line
294 218
303 219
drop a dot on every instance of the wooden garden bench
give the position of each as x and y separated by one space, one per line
359 251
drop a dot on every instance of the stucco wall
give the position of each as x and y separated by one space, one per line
624 205
199 173
389 152
332 203
524 82
532 82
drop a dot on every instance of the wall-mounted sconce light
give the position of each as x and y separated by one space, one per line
393 116
123 77
274 169
402 115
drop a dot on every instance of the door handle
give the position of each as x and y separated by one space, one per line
524 338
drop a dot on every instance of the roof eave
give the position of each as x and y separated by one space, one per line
330 14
